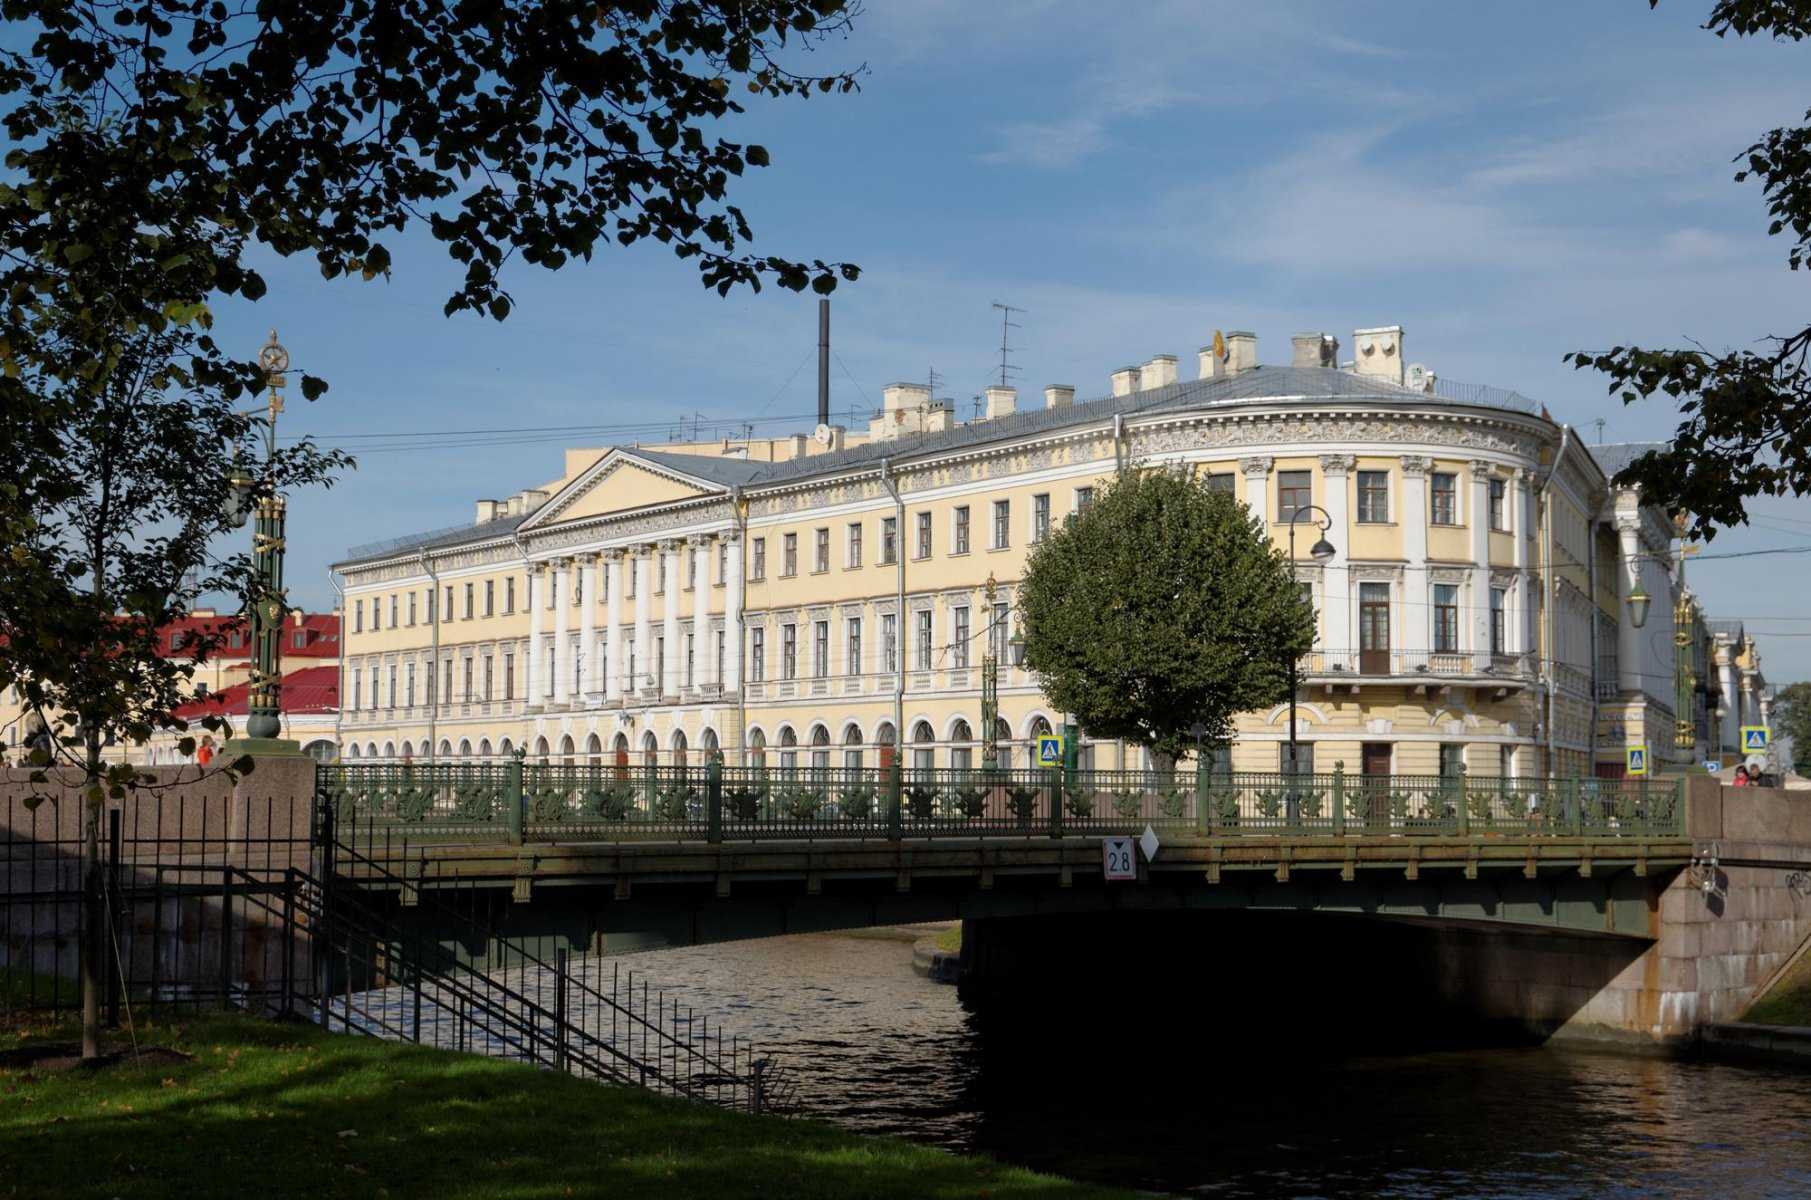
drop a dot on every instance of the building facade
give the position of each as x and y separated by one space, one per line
814 600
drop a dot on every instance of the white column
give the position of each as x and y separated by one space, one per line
1628 573
1480 570
560 592
586 683
732 615
1257 486
1728 733
1521 623
697 544
1336 586
1415 596
641 562
531 668
613 625
669 681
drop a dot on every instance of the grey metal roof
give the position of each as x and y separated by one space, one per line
1614 456
1732 628
1262 383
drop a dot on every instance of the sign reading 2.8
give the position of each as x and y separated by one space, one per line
1119 858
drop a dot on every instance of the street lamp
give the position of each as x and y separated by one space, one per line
265 699
1322 552
1638 605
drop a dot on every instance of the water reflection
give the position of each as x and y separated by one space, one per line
1140 1093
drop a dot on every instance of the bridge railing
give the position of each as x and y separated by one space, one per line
609 802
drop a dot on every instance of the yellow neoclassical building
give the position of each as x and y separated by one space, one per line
815 598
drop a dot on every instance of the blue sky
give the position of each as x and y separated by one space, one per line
1509 182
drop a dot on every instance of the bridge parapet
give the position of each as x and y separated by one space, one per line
572 802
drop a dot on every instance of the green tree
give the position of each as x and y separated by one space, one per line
1792 718
1161 606
1745 415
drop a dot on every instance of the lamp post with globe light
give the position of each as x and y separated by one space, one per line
1322 551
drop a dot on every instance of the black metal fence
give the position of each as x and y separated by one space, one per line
522 802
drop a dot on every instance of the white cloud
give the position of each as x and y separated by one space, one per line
1048 144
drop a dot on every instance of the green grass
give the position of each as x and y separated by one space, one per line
20 987
1787 1002
272 1111
951 939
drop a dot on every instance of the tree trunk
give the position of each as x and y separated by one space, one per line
94 931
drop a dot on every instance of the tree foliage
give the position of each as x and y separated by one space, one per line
1745 415
1162 605
1792 718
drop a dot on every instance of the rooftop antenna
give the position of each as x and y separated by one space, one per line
1600 423
1007 325
931 386
977 402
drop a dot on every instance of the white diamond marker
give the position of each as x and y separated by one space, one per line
1149 843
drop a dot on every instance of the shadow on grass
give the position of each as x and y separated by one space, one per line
275 1111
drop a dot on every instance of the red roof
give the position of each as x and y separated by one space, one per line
310 691
317 633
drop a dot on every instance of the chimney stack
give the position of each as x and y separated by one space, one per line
1241 352
1314 350
1211 366
1059 395
1125 381
489 510
1159 370
1379 353
1001 401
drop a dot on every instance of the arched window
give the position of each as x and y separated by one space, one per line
352 751
757 749
679 748
594 749
962 754
619 754
923 756
650 749
567 749
319 750
1003 743
390 750
789 753
852 748
465 748
370 749
446 748
820 748
540 749
506 748
712 751
484 748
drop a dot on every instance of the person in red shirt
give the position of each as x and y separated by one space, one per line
205 754
1741 779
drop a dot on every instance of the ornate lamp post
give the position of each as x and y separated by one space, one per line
1322 551
990 681
264 707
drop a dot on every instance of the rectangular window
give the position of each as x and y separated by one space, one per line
358 619
852 647
757 654
1445 507
1040 516
1220 481
1084 499
718 676
446 693
1304 758
691 569
470 609
1446 618
632 646
923 549
789 651
959 536
490 597
996 633
393 606
409 685
660 660
411 608
924 640
660 585
1452 760
722 561
547 669
578 585
1499 505
1374 628
789 556
820 649
1374 496
1295 491
465 693
1002 524
509 595
757 567
959 643
854 555
1499 623
632 573
889 540
448 611
691 660
820 550
392 687
356 680
889 642
490 678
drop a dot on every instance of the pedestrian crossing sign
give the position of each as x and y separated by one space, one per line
1638 760
1754 738
1050 750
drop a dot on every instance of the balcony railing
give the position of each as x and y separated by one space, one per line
1397 664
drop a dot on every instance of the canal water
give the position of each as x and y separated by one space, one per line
1133 1092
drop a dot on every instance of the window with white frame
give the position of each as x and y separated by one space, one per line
923 638
1040 516
789 651
852 556
959 530
789 555
757 567
757 654
1446 618
922 548
852 646
1002 524
1443 498
889 642
1084 499
1499 623
1373 497
820 649
1499 505
959 639
889 540
820 555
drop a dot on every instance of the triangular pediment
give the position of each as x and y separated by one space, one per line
619 482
